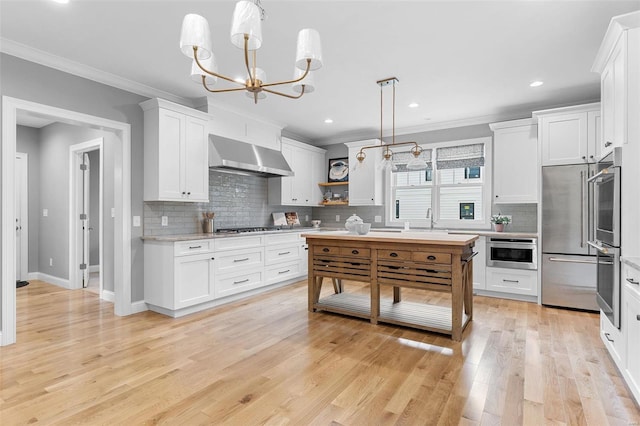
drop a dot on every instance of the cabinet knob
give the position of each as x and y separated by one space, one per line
584 157
213 258
355 252
325 250
496 196
393 254
183 192
431 257
638 317
591 156
608 144
188 193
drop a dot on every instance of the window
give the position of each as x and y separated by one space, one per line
455 186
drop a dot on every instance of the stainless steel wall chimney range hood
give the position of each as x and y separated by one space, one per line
231 155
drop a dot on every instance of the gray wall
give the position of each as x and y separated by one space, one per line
32 82
94 207
236 200
28 141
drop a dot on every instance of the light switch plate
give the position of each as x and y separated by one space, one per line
164 221
113 212
136 221
45 212
337 218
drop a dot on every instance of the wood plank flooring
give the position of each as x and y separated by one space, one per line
266 360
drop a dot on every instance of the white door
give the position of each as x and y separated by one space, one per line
21 215
85 219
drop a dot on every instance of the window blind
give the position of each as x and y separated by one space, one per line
456 157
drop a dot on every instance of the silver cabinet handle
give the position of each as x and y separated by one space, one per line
241 260
284 272
241 281
582 208
608 336
632 281
194 247
283 253
559 259
510 281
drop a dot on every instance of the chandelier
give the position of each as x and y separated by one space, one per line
246 34
415 163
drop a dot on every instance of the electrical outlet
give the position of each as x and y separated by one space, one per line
113 212
377 219
51 261
136 221
306 218
164 221
45 212
337 218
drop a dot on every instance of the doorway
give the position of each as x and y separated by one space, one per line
11 107
22 218
86 176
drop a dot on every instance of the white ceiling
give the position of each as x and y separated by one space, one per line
462 61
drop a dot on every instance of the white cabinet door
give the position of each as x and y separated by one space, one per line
480 264
365 180
169 133
614 87
193 280
196 168
319 174
564 139
515 166
302 160
632 321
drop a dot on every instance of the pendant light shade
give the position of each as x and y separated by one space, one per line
309 84
195 32
416 163
197 73
246 20
309 47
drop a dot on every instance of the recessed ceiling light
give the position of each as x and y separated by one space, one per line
328 121
536 83
414 105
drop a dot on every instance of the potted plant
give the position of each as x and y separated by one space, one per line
500 221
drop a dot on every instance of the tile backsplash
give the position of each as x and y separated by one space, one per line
524 216
237 200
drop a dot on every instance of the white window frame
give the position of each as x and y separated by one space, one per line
485 223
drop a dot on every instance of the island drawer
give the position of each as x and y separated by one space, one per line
394 254
326 250
355 252
443 258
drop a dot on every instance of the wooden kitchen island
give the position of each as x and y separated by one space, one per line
418 260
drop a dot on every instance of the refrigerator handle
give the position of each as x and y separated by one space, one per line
582 208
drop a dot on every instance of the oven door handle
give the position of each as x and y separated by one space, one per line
559 259
598 175
598 247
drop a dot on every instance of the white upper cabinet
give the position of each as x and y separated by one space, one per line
365 181
307 163
175 152
569 135
515 165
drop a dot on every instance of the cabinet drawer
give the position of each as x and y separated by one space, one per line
282 272
394 254
231 243
355 252
283 238
233 284
442 258
229 261
192 247
514 281
326 250
613 340
282 253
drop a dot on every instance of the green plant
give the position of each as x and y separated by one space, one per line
499 219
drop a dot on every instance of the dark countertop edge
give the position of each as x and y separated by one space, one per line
631 261
188 237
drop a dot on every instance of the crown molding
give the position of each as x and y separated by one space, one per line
41 57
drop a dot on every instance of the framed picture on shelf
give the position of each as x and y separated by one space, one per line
338 170
292 218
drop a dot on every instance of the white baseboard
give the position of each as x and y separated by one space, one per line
139 306
60 282
108 295
94 268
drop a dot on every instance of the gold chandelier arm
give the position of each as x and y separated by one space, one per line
215 74
204 83
246 60
387 148
284 94
306 71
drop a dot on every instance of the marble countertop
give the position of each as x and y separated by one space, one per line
200 236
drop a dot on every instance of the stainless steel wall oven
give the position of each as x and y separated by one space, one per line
514 253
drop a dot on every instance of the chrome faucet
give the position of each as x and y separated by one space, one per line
430 216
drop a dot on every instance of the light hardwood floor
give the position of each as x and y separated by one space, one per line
266 360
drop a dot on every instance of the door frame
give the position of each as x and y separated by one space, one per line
122 205
23 186
75 247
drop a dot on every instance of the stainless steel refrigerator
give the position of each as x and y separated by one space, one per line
569 265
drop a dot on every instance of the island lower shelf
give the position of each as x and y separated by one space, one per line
418 315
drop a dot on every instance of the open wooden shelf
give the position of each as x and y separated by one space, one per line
333 183
334 203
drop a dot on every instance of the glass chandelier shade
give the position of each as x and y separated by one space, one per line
246 33
416 163
197 73
246 20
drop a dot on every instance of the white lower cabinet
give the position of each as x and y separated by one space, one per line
631 324
187 276
514 281
480 264
613 339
